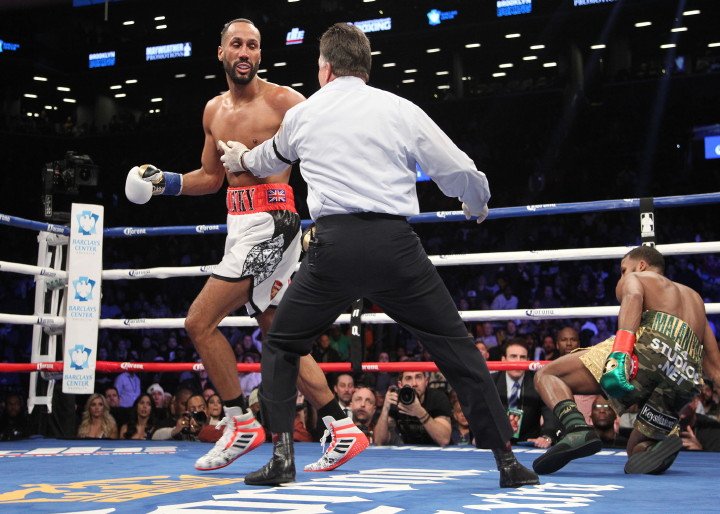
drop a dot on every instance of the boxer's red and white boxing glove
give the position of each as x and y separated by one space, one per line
481 214
145 181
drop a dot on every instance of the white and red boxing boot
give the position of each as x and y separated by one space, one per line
346 442
242 434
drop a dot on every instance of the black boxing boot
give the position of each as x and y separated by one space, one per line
579 440
281 468
512 473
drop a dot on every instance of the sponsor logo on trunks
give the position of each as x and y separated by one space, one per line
276 196
277 286
240 200
657 419
201 229
129 231
677 367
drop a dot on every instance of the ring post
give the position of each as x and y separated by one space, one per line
82 317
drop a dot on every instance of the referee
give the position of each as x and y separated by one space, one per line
358 148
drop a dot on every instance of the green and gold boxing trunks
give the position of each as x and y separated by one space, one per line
669 374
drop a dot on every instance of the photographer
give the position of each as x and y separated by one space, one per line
192 421
413 412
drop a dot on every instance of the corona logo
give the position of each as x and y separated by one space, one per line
138 272
208 269
140 321
129 231
48 272
45 365
55 229
5 218
534 208
198 367
45 322
131 366
539 312
201 229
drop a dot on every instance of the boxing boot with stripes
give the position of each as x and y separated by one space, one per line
242 434
346 442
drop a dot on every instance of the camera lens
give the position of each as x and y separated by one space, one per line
199 416
406 395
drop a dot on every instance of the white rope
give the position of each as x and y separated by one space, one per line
26 269
614 252
343 319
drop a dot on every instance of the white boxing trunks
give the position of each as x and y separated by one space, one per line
263 242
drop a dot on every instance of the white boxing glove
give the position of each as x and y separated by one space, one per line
147 180
481 215
232 157
137 190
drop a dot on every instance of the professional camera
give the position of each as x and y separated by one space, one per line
199 416
406 395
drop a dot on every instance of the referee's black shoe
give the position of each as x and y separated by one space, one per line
512 473
281 468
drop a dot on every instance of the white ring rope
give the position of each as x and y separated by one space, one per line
55 322
613 252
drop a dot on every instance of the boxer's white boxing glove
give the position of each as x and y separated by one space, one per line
481 215
145 181
232 157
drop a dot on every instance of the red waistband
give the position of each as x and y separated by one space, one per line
260 198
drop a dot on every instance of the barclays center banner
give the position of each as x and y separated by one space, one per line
82 316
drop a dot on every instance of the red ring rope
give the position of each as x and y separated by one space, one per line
379 367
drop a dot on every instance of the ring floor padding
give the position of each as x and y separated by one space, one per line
64 476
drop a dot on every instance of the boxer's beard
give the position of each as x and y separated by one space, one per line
241 81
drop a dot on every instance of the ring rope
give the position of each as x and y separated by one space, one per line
57 322
328 367
429 217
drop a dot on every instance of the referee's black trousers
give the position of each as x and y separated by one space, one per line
378 257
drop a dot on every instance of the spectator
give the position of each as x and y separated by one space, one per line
425 420
706 404
604 421
128 387
505 300
698 431
164 430
121 414
97 422
363 410
602 332
142 419
568 340
461 434
250 380
214 409
13 421
300 432
548 351
340 342
535 421
323 352
483 349
383 379
344 388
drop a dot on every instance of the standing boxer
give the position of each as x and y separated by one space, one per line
262 245
358 148
655 360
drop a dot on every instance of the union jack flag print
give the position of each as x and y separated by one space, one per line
276 195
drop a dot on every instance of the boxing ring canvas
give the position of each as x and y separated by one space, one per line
107 476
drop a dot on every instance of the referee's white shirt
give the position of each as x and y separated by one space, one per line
358 147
